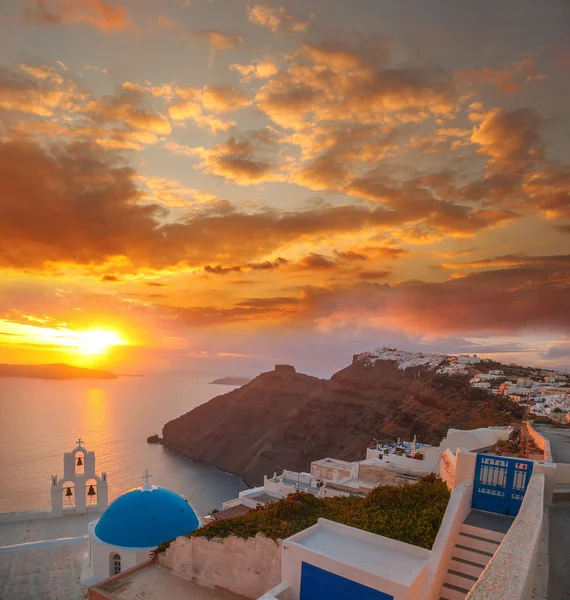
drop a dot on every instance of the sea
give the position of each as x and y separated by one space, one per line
42 419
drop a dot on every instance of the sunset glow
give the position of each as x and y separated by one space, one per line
97 341
293 181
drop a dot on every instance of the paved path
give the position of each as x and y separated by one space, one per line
559 526
43 573
36 564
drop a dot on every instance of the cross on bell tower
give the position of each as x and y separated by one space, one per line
79 442
146 477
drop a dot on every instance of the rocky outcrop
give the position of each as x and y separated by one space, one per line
284 419
154 439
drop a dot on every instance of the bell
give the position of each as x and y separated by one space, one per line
91 491
69 492
79 461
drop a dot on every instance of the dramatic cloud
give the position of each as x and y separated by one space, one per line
268 265
316 261
275 18
99 13
243 160
414 203
334 83
224 98
219 270
513 260
510 138
260 69
84 207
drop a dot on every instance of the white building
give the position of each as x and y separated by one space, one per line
468 360
401 463
134 525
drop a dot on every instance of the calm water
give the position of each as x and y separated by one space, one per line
40 420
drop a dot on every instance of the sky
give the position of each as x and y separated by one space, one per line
230 184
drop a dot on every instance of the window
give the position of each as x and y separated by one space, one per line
116 564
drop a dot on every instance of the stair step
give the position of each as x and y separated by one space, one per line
487 534
478 543
470 554
466 566
460 579
454 592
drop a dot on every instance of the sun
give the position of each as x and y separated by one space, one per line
97 341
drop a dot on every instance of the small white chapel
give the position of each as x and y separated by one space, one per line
135 524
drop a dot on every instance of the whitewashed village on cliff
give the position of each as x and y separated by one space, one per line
494 489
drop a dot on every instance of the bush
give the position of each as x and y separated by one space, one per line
410 514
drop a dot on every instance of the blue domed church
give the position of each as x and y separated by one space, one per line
134 525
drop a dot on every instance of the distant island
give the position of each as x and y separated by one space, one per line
232 380
54 371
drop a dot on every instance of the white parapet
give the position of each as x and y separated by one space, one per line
510 573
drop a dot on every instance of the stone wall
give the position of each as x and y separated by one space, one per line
245 567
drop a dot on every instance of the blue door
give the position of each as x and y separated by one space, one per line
318 584
500 483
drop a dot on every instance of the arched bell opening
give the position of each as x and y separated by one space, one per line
79 463
114 564
91 492
68 493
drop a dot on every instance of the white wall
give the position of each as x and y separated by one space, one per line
100 556
465 466
447 468
294 554
25 515
457 510
510 573
323 471
245 567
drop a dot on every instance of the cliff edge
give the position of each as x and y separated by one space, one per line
284 419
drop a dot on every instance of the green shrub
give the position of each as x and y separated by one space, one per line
410 514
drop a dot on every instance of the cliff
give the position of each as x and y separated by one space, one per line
55 371
284 419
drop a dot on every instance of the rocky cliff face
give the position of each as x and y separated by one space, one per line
284 419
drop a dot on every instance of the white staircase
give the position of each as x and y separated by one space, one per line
474 548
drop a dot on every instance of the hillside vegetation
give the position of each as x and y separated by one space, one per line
410 514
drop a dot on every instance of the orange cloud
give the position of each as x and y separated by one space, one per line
83 208
275 18
509 138
243 160
509 80
260 69
224 98
102 14
341 85
218 40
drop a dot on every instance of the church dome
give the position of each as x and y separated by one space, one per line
146 517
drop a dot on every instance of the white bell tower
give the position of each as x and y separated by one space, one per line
79 489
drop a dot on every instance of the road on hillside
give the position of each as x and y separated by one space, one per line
559 525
